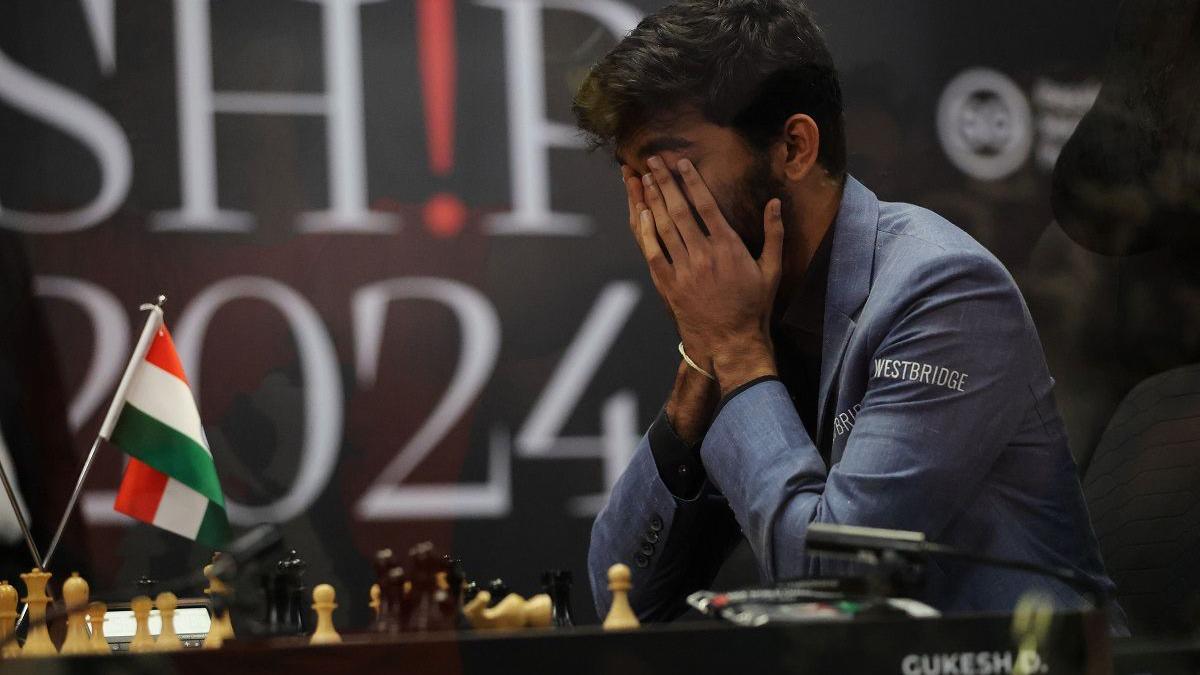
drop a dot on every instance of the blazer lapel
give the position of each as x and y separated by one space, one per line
851 262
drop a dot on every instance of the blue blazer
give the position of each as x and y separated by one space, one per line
943 421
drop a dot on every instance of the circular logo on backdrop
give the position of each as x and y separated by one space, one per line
985 124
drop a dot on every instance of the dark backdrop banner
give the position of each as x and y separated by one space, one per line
403 290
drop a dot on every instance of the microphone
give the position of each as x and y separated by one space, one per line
870 545
852 541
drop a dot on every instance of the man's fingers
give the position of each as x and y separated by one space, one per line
770 260
635 226
635 201
659 267
667 232
706 204
629 201
633 195
662 222
676 203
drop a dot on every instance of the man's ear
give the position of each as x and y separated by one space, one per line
801 142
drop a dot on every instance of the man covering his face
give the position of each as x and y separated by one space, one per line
820 330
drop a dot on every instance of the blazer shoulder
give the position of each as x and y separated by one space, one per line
917 247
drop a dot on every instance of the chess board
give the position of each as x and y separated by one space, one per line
1079 645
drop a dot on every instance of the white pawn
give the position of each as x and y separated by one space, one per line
221 629
75 594
168 639
323 603
620 614
96 612
142 640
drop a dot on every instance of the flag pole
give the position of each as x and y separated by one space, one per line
153 322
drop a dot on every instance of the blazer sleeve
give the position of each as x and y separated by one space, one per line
673 546
918 449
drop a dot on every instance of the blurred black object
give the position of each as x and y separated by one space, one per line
392 601
470 590
451 601
557 584
33 421
1141 489
147 586
1128 179
423 612
498 590
1128 182
242 566
286 609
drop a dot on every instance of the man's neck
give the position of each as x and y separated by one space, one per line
814 209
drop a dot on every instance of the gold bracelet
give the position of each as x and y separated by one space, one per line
687 359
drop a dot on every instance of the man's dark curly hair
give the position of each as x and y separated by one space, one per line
746 64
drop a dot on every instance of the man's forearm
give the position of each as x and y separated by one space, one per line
690 408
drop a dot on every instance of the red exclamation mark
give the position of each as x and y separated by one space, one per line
444 213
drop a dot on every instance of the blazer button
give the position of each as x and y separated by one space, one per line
641 560
647 549
656 523
651 536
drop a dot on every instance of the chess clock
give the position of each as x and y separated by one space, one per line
192 622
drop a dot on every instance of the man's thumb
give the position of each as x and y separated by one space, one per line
770 260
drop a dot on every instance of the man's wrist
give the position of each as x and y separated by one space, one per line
739 361
690 407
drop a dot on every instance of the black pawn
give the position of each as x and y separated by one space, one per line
147 586
498 590
283 591
557 584
422 613
456 578
291 581
391 602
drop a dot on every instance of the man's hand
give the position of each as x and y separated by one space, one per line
693 397
720 296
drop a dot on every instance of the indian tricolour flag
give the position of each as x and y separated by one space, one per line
171 480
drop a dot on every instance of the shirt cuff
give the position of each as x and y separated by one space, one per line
678 463
729 397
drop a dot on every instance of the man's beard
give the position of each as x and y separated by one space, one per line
748 203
